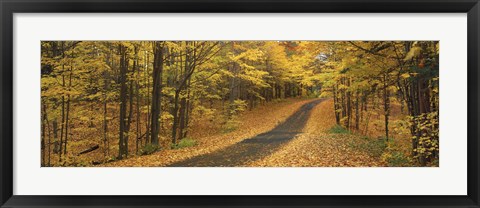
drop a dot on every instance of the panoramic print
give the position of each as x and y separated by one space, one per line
239 104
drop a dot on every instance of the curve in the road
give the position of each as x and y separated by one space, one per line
254 148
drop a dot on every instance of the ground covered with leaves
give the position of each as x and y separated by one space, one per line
325 144
251 123
321 143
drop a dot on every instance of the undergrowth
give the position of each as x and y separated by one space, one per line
148 149
337 129
185 142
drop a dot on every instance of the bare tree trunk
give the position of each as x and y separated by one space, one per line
49 138
67 119
357 113
183 109
138 102
106 145
130 115
175 117
130 100
157 91
147 127
43 135
335 104
178 120
349 104
187 109
187 115
123 101
386 105
56 146
63 111
232 90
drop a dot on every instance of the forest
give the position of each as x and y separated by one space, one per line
239 103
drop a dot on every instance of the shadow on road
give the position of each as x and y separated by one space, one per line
254 148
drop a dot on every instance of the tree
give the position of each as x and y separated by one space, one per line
158 48
123 135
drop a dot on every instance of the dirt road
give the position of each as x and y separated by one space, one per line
254 148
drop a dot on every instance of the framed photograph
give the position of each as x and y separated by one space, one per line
269 103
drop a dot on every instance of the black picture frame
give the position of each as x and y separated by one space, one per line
9 7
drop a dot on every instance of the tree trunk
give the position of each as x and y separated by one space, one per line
335 104
349 104
56 144
49 138
130 115
60 145
175 116
187 115
157 91
138 103
106 144
183 109
67 117
43 135
357 113
386 105
232 90
147 127
123 101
